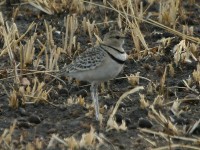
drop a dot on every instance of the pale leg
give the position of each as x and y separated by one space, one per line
94 94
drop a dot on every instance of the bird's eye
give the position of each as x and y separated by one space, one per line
117 37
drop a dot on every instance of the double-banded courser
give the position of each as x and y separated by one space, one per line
99 63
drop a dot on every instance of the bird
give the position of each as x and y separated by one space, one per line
99 63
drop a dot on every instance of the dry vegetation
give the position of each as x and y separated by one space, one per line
30 64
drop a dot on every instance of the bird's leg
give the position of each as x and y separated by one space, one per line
94 94
97 100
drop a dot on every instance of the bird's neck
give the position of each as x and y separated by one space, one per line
115 52
118 47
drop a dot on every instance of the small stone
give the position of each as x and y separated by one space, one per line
52 130
144 123
128 121
34 119
23 125
118 118
22 112
63 92
21 119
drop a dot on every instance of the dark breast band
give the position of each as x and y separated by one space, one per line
119 61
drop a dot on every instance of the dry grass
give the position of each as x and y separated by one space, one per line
25 88
111 123
168 12
71 25
196 75
53 6
90 140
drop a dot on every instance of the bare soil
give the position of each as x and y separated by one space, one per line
41 120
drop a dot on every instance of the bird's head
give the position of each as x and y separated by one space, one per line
114 38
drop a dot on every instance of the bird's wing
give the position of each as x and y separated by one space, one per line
88 60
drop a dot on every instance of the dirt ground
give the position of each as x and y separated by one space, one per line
38 122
